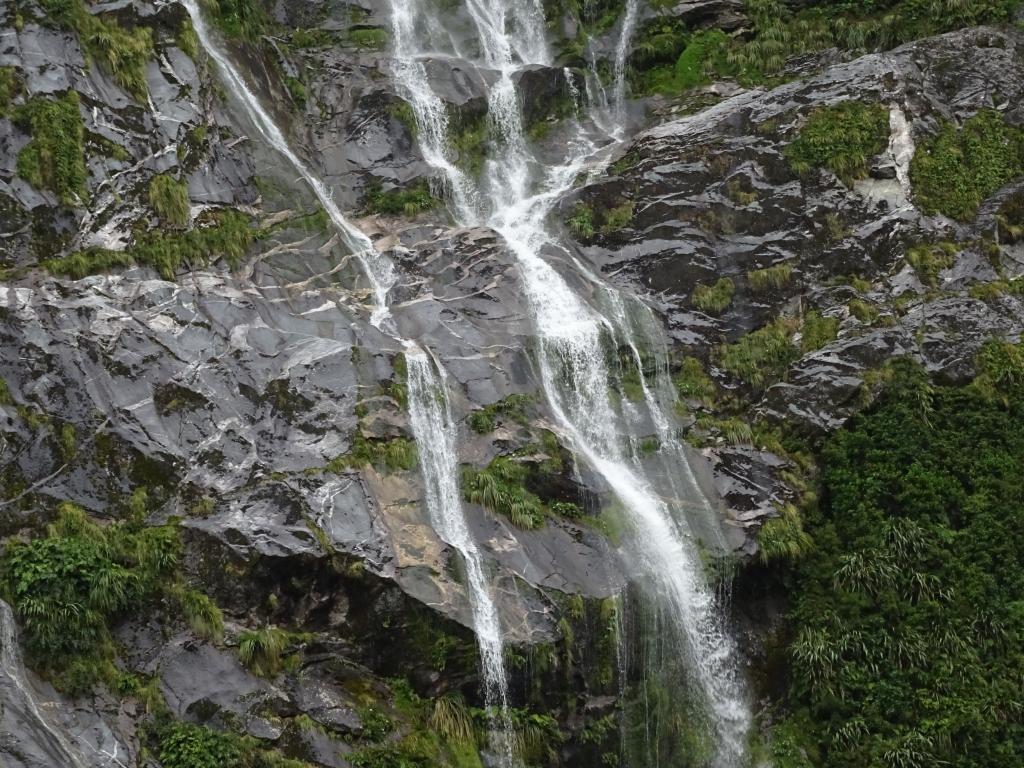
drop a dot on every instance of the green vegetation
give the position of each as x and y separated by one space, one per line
55 157
184 745
407 201
693 383
617 218
513 408
500 487
371 38
584 221
817 331
955 170
70 586
10 88
772 278
392 455
713 299
581 222
169 199
928 260
510 485
238 19
260 650
761 357
223 234
841 138
123 53
784 537
907 621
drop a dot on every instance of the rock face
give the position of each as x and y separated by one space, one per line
714 196
232 396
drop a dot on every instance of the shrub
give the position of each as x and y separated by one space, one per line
238 19
10 87
761 356
169 199
581 223
184 745
713 299
500 488
226 234
955 170
393 455
906 614
260 650
783 537
693 383
617 218
818 331
841 138
930 259
771 278
409 201
513 408
371 38
55 157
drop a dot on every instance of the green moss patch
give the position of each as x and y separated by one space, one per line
955 170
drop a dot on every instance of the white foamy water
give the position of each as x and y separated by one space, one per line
574 339
378 270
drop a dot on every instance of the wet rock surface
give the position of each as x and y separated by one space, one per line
230 394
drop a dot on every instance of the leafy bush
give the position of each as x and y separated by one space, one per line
693 383
184 745
909 632
226 234
393 455
55 157
260 650
955 170
771 278
513 408
10 87
761 356
238 19
713 299
409 201
784 537
841 138
124 53
372 38
169 199
581 222
817 331
930 259
500 487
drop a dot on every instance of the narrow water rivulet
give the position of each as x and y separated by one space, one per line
430 418
518 194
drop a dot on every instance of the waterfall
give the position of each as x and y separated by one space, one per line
573 337
22 704
429 411
378 270
431 417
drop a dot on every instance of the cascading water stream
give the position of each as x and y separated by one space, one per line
430 414
12 673
378 270
430 418
572 357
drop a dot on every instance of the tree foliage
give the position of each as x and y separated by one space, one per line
908 612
